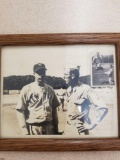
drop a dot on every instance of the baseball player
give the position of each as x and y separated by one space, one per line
84 109
37 106
98 61
110 74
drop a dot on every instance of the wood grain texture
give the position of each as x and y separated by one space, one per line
118 82
64 144
59 39
59 144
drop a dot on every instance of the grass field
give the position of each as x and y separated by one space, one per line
99 77
10 127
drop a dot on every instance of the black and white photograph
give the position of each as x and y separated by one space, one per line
59 91
102 69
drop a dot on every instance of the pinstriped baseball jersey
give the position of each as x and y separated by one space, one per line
37 102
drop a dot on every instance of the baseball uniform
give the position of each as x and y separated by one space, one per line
84 110
38 105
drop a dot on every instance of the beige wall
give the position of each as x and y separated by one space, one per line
51 16
59 16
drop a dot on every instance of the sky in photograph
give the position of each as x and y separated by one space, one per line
20 60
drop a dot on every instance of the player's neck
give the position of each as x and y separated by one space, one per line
40 84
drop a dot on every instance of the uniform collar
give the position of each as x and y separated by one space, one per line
42 89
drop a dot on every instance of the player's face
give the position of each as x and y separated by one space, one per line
98 54
40 77
67 78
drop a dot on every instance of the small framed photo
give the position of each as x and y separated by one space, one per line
103 67
60 92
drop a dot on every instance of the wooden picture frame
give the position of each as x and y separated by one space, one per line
64 144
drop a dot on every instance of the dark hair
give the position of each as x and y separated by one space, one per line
76 72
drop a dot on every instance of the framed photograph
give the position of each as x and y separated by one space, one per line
60 92
103 69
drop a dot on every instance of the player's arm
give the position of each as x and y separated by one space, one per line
109 71
55 120
94 99
93 60
55 104
99 105
20 109
101 59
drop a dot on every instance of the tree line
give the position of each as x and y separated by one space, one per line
107 59
18 82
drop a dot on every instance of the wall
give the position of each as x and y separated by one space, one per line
56 16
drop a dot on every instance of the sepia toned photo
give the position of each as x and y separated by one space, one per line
59 91
102 69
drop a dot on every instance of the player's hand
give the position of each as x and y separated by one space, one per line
88 126
80 126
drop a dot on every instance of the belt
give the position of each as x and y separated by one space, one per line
41 123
